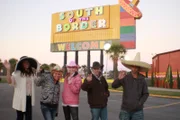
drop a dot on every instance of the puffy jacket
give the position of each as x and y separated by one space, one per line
71 90
50 91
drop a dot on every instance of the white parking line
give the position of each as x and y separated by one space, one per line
113 100
161 106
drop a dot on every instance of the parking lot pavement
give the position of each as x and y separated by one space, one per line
155 108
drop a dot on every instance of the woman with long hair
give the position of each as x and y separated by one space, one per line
50 92
24 88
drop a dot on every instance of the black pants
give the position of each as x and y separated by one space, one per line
70 111
28 113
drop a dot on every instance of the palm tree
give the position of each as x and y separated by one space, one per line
13 62
45 67
116 51
52 65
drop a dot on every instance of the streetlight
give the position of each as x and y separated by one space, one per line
106 47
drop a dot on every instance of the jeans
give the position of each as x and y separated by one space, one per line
139 115
49 113
70 111
99 113
28 113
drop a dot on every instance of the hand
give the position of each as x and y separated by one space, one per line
7 65
137 106
106 94
121 75
89 78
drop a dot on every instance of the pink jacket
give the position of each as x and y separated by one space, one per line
70 94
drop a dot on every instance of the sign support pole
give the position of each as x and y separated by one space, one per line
65 62
76 57
101 58
88 60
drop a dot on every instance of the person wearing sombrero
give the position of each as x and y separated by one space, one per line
50 91
96 87
24 88
135 90
71 91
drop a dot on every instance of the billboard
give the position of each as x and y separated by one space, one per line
91 28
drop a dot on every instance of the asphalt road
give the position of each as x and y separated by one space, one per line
155 108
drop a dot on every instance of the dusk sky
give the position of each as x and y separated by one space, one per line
25 29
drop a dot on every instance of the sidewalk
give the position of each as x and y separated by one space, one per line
164 89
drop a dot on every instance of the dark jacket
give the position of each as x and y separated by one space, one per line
97 92
135 92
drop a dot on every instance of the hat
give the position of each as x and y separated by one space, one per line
136 62
123 68
72 64
57 68
33 63
96 65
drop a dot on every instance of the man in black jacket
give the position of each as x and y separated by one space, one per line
135 90
97 91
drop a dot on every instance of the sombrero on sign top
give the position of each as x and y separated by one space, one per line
136 62
131 7
33 62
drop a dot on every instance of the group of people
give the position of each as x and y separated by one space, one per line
27 75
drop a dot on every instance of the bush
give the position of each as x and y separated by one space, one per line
169 77
178 80
152 79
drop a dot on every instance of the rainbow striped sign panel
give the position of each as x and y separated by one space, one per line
128 15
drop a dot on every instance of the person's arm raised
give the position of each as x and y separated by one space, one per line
8 69
120 80
87 83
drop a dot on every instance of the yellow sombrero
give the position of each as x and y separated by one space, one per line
144 67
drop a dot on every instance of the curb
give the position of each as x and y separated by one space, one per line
152 95
164 96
